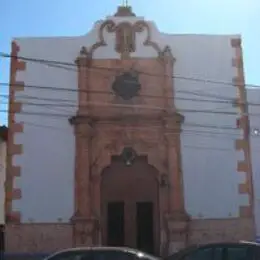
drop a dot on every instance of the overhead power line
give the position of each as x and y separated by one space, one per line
110 92
55 62
185 132
184 128
222 127
189 133
221 101
137 106
60 107
63 65
226 101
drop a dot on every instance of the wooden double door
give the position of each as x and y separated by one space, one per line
130 224
129 206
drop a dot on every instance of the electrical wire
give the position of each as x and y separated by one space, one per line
54 108
148 128
200 147
52 62
57 107
155 108
188 111
55 62
151 96
222 100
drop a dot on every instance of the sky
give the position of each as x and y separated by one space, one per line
76 17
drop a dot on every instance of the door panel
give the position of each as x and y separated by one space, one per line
130 221
145 226
115 224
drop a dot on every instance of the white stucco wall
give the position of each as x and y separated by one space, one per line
253 96
2 180
209 160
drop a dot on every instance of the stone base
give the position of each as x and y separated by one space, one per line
47 238
178 229
216 230
37 237
84 231
209 231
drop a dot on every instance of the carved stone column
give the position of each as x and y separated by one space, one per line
176 201
177 218
168 86
83 62
82 222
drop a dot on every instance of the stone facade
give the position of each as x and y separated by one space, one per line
46 238
109 120
141 123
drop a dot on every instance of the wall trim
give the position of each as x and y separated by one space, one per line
243 144
15 107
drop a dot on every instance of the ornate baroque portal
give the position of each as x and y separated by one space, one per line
128 158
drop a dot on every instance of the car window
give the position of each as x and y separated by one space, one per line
239 253
200 254
208 253
71 255
112 255
218 253
257 252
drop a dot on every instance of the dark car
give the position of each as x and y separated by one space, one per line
101 253
219 251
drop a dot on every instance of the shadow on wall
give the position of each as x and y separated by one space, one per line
25 256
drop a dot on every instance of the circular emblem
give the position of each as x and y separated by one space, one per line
126 85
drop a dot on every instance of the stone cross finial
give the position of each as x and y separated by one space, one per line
125 2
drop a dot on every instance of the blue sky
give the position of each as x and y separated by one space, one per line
67 18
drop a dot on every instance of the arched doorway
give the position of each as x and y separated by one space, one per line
130 204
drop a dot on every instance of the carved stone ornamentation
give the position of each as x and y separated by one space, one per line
125 36
126 85
125 39
84 230
128 155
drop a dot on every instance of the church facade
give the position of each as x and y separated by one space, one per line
108 142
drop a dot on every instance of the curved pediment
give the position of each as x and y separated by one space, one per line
125 35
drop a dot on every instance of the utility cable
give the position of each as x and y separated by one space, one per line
224 101
55 62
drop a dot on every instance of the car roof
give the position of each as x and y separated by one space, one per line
249 242
213 244
100 248
230 243
104 248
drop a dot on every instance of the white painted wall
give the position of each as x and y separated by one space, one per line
211 180
2 179
209 157
253 96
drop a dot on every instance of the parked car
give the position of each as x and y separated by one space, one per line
219 251
101 253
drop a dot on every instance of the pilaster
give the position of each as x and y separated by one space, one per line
83 224
83 62
177 220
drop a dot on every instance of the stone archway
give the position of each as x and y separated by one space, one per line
135 187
